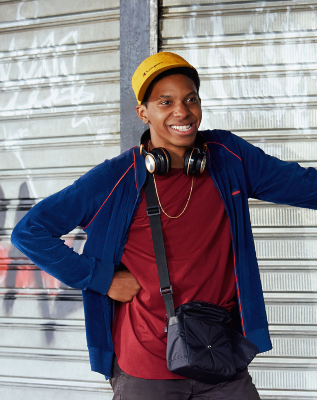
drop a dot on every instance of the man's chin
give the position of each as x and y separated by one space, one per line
186 140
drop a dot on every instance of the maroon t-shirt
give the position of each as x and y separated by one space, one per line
199 256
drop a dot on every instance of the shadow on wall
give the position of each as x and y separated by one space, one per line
18 274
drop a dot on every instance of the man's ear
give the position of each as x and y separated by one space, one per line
141 110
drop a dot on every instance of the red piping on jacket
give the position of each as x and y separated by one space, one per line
226 149
234 258
238 291
109 195
135 169
234 193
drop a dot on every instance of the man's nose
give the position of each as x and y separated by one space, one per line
181 110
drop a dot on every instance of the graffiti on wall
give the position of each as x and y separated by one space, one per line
19 277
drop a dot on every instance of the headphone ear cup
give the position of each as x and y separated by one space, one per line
201 163
162 160
187 156
190 161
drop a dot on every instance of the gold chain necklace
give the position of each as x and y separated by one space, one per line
157 195
158 198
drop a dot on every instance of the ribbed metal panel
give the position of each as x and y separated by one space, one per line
59 117
257 62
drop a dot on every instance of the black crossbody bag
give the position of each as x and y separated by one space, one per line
200 342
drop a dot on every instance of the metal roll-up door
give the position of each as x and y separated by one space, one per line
257 62
59 112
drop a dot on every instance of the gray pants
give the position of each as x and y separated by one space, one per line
127 387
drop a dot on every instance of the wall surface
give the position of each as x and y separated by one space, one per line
257 61
59 112
60 115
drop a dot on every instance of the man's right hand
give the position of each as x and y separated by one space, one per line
123 287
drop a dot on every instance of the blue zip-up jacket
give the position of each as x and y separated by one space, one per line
104 201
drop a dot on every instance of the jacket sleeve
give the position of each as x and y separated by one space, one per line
38 234
271 179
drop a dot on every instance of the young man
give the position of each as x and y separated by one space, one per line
207 234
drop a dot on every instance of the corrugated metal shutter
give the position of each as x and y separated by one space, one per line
257 61
59 112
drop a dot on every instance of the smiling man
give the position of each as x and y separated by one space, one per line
199 269
206 227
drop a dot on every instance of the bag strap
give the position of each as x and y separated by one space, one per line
153 211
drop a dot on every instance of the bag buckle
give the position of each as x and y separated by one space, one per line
153 210
167 290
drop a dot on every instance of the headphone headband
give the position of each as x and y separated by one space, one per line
158 160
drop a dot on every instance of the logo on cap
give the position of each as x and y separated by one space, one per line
144 73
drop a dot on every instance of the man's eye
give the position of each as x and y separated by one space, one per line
192 99
164 103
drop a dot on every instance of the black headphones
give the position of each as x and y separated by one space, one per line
158 160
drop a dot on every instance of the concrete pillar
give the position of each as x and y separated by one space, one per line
138 40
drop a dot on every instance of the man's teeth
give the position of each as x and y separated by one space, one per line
182 127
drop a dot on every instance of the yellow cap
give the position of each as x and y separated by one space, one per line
153 66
